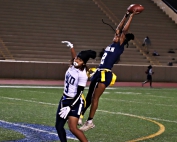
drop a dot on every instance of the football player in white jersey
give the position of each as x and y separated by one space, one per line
71 104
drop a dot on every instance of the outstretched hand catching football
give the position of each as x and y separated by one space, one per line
135 8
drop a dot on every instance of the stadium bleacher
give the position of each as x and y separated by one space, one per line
33 30
152 22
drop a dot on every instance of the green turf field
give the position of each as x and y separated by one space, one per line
124 114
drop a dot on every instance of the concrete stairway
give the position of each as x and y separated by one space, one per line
33 30
4 52
151 22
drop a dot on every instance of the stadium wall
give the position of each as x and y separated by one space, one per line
167 9
56 71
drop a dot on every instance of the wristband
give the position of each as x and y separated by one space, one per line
127 14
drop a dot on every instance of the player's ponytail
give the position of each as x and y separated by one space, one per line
128 37
85 56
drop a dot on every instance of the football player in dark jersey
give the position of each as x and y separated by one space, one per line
103 75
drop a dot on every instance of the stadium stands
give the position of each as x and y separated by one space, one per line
33 30
151 22
4 52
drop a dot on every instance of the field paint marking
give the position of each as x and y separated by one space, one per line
37 92
23 126
58 87
132 93
161 127
39 130
24 86
161 130
48 92
106 92
97 110
17 99
139 102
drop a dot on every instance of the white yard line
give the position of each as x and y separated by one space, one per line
119 113
127 114
145 103
106 92
26 86
147 94
35 129
30 101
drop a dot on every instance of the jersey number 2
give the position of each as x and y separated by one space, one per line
103 58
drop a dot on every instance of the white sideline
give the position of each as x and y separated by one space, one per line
119 113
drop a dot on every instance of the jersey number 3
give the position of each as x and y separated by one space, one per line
69 80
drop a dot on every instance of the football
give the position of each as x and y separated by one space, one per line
139 8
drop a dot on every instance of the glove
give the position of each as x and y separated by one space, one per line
69 44
64 112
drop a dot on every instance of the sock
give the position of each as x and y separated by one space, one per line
90 120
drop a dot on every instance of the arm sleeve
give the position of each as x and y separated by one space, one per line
81 85
80 89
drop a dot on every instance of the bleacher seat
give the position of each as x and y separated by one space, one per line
33 30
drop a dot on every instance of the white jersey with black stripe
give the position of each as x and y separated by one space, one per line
73 78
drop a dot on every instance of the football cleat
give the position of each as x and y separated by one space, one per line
87 126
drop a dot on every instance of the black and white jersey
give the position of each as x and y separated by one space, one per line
73 78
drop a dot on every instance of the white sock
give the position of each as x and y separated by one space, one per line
90 121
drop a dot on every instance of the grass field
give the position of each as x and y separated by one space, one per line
124 114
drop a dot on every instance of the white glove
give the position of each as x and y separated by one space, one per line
69 44
64 112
